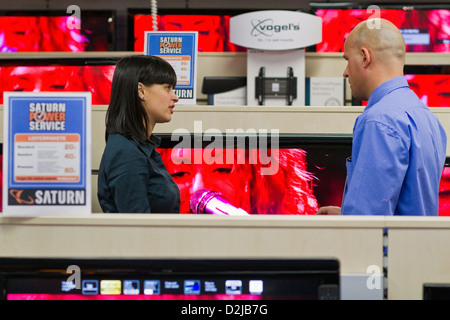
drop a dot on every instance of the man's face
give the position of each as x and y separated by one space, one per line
353 71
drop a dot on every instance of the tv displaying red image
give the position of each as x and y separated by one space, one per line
444 191
432 89
213 29
51 31
424 30
296 178
286 187
68 75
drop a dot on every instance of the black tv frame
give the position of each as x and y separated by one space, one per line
320 276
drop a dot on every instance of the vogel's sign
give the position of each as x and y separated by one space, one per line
275 30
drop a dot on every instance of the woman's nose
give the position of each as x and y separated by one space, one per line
197 183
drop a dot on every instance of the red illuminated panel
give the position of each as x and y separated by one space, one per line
425 30
96 79
39 34
213 30
1 183
432 89
244 181
444 193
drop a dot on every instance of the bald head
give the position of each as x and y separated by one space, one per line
383 38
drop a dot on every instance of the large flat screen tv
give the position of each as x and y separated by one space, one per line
299 174
213 27
59 74
169 279
426 28
54 31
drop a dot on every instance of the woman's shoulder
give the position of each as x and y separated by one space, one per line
118 144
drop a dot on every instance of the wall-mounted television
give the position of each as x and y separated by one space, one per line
59 74
213 27
55 31
170 279
426 28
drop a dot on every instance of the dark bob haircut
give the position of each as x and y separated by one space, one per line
125 114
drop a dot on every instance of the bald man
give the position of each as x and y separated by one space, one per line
399 146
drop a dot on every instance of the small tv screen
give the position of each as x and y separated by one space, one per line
444 190
425 29
213 27
55 31
169 279
59 74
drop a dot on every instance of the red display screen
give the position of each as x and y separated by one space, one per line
282 185
53 32
213 30
432 89
444 193
423 30
95 79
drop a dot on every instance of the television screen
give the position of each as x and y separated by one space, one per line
444 190
62 74
52 31
431 83
213 27
425 29
169 279
297 177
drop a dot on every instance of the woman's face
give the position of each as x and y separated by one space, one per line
158 101
224 178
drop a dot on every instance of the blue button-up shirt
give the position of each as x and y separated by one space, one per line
398 153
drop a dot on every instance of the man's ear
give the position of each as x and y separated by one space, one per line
366 57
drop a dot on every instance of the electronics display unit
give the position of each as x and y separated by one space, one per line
169 279
213 27
93 74
300 174
55 31
426 27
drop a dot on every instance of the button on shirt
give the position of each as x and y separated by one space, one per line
398 154
133 179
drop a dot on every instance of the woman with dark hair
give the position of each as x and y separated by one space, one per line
132 177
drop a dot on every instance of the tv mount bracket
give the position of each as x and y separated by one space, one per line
275 87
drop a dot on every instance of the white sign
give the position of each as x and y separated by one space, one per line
326 91
276 65
47 153
275 30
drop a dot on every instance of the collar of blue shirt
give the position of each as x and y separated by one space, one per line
386 88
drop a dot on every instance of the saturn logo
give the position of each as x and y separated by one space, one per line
17 195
